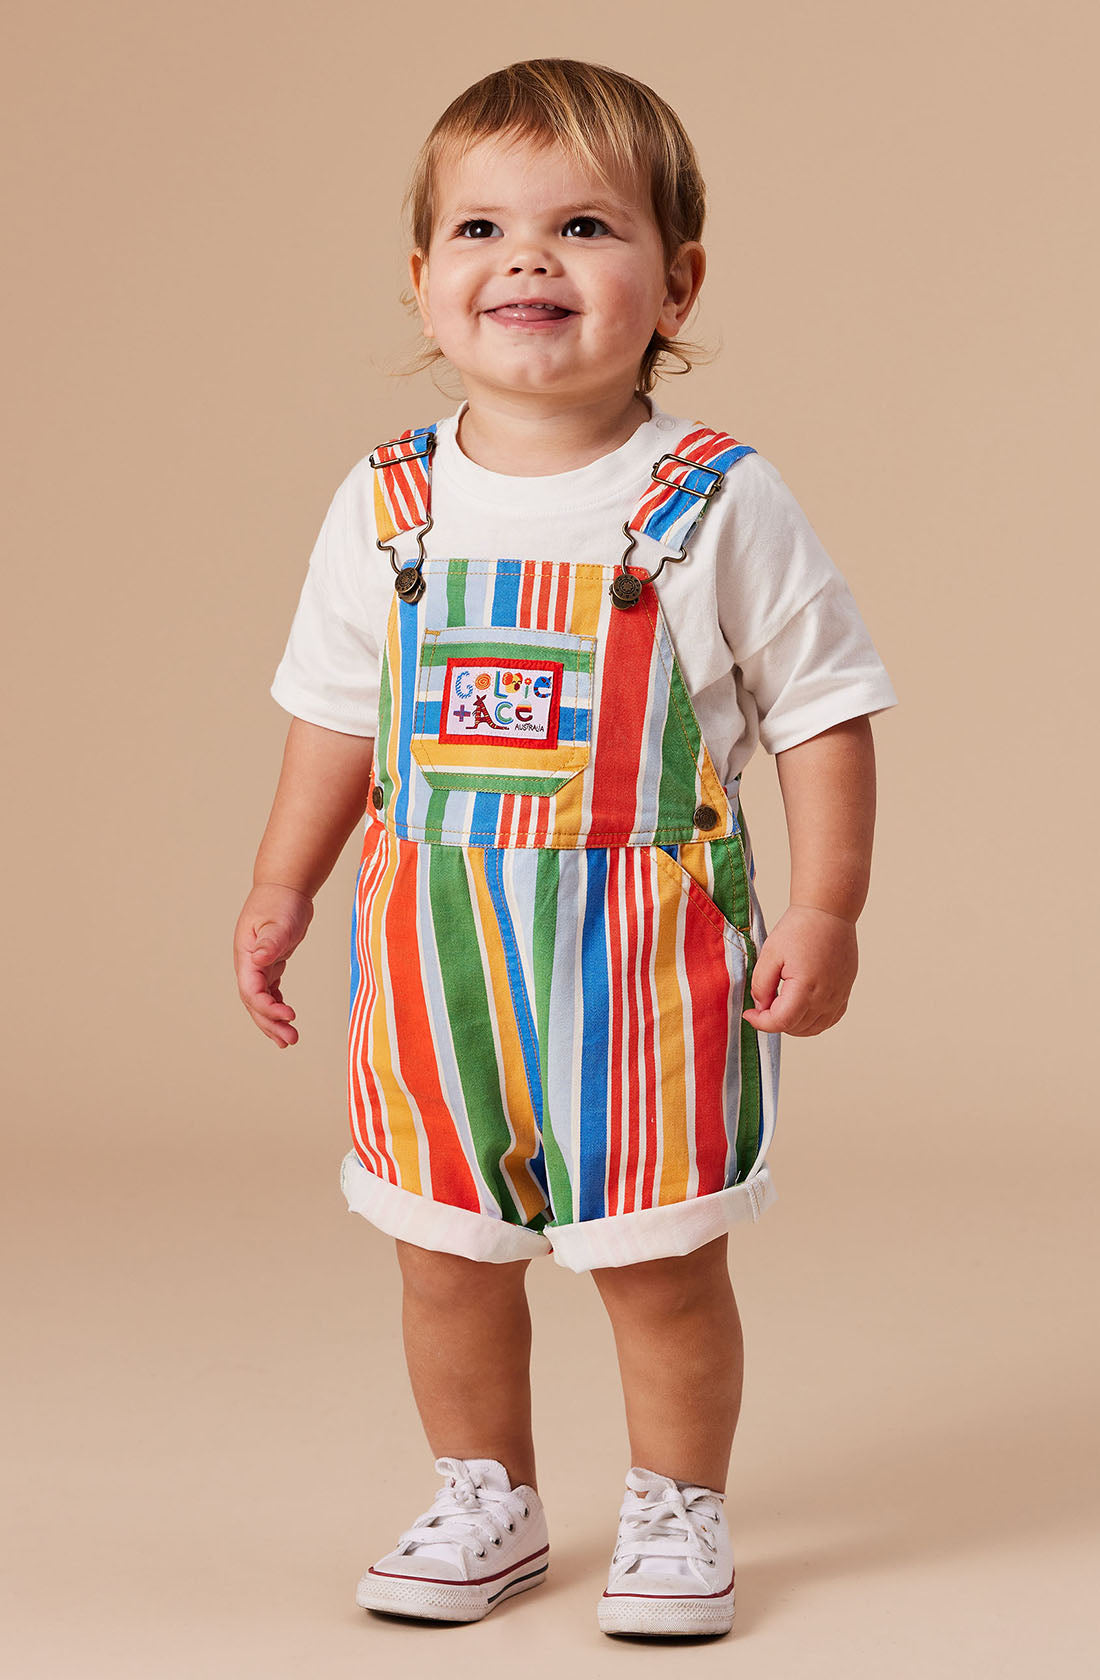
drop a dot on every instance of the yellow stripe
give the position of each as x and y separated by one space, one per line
489 755
382 518
710 786
588 584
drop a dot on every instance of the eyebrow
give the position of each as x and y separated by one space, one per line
610 207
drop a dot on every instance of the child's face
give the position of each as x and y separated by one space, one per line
515 222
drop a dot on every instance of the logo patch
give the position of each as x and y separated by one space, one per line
514 701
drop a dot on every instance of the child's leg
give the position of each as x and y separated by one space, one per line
681 1358
467 1330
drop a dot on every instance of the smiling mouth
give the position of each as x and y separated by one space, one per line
530 314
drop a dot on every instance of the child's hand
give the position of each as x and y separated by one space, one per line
271 925
814 953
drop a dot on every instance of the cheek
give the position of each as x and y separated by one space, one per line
631 300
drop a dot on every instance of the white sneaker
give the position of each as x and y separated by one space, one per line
672 1569
480 1542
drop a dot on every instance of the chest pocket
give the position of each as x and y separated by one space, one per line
502 710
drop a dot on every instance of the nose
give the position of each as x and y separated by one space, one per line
532 256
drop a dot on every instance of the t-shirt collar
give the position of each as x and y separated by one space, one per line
602 481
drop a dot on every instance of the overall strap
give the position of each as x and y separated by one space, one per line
675 499
403 500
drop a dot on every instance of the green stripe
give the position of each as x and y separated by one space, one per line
479 781
731 895
731 880
545 934
437 653
467 999
385 709
456 592
680 754
436 815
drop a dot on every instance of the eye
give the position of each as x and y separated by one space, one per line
479 225
585 223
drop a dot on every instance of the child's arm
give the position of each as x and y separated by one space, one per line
322 794
828 786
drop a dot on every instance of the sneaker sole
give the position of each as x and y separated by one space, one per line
449 1601
624 1613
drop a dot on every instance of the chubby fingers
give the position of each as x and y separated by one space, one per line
258 983
789 1010
797 1009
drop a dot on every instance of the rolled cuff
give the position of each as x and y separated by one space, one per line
624 1239
438 1225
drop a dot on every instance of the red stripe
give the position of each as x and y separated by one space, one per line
619 725
526 593
561 604
405 484
452 1180
375 1157
708 981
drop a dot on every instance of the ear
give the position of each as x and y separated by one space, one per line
685 277
418 275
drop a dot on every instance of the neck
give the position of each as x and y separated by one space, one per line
507 434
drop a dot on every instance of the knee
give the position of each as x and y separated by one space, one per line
451 1282
667 1288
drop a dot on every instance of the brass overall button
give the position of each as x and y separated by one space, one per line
376 798
626 590
705 816
409 583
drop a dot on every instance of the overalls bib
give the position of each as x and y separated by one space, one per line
554 918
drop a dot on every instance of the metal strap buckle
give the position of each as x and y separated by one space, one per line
626 586
408 579
697 466
414 454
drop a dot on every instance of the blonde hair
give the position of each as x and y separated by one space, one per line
604 120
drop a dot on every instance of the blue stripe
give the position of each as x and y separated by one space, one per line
595 990
521 1003
354 934
485 819
572 724
408 625
506 592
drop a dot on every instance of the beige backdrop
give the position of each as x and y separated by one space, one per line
210 1431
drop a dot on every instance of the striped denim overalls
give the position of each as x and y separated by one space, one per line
554 918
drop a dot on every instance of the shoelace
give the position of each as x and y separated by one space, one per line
646 1529
465 1513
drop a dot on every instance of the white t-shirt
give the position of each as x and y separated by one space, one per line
767 634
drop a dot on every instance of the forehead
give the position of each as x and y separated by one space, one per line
502 172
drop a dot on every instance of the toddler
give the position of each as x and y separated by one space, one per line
537 643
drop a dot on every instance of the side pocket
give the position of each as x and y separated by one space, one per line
713 876
502 710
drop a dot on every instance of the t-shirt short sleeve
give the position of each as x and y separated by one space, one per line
329 671
802 650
